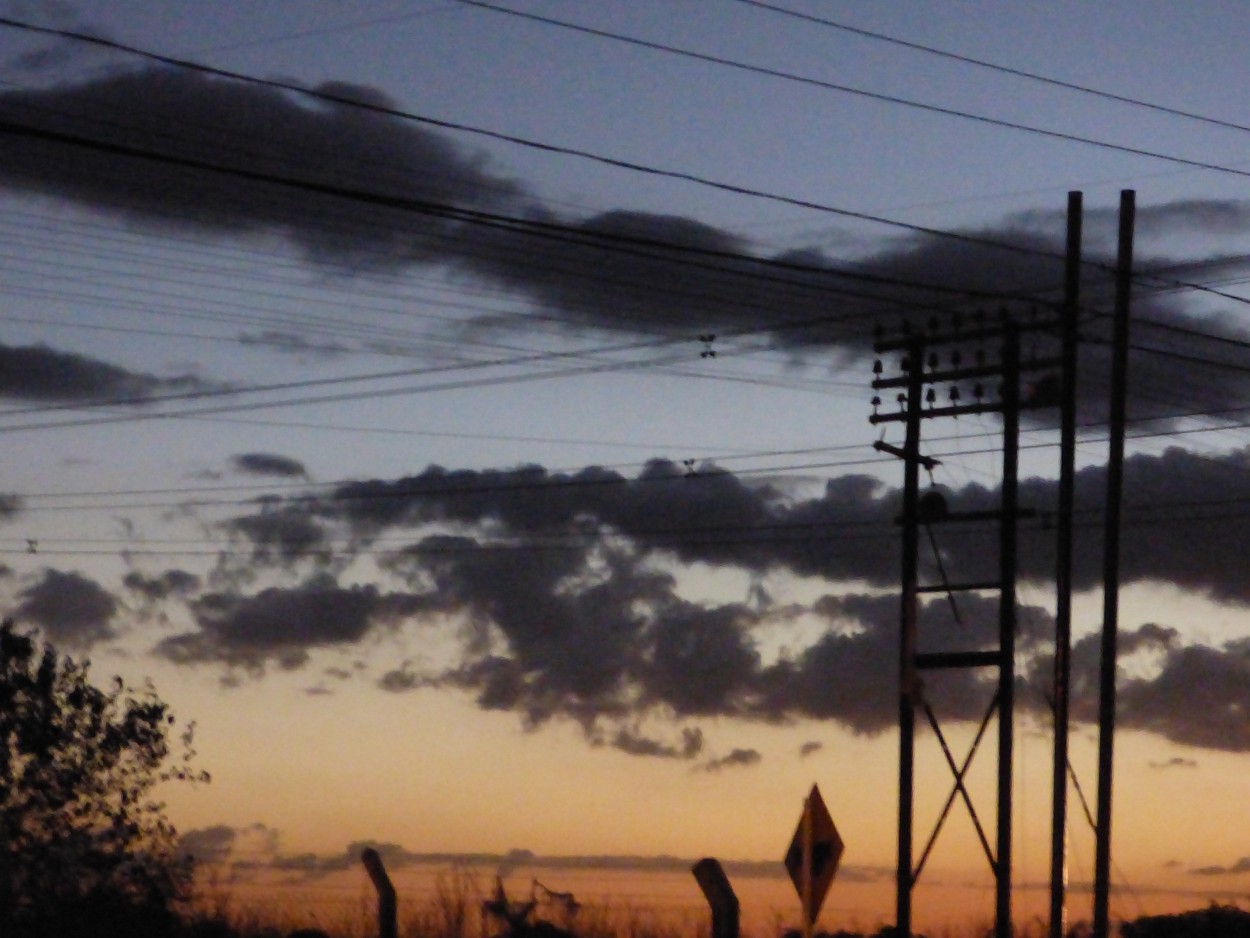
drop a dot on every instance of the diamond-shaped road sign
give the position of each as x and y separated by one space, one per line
814 854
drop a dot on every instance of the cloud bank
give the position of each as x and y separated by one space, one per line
561 593
358 189
560 597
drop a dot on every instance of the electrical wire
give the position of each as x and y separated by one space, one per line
859 92
992 66
319 95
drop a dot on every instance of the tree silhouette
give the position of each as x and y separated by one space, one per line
80 826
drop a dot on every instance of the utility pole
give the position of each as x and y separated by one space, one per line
1111 563
1063 569
924 367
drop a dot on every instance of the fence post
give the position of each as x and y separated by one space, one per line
720 896
387 927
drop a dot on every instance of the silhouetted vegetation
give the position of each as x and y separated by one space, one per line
85 847
1215 921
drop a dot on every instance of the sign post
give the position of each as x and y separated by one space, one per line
813 857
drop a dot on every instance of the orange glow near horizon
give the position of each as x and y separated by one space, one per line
946 904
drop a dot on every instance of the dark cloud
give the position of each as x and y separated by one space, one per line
239 849
635 744
572 623
280 625
71 609
1241 867
700 657
1200 697
717 518
844 534
561 592
255 129
1194 695
809 748
40 373
279 533
618 270
269 464
10 506
738 758
402 679
163 586
1176 762
208 845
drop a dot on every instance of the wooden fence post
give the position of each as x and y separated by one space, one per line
387 927
720 896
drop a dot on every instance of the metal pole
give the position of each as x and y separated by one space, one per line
807 868
1063 569
1111 563
1007 626
908 680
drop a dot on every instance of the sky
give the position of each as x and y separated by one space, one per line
460 409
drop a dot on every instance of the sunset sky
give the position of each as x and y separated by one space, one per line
460 411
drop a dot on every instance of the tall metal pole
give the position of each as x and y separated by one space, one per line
1111 563
908 679
1007 626
1063 569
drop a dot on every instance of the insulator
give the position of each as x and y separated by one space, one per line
877 367
930 396
904 364
876 402
978 390
933 360
902 400
954 393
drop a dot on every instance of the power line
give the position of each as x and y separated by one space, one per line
554 480
993 66
616 241
860 92
374 107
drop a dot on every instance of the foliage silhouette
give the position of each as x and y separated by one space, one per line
1215 921
83 839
